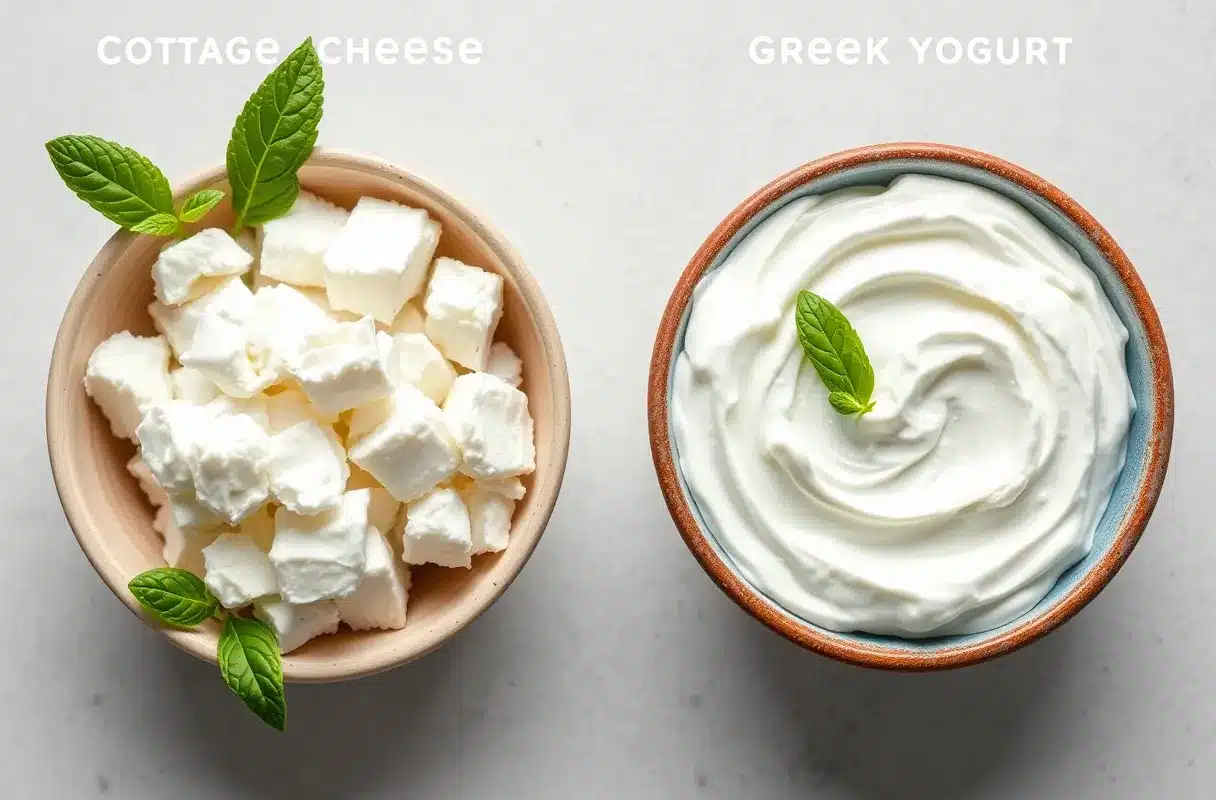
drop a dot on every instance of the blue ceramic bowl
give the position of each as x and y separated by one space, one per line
1148 365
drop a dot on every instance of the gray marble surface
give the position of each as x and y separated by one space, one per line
606 141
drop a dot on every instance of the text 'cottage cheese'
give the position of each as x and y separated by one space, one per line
308 439
1000 424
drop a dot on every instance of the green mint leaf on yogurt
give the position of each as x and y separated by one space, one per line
847 404
124 186
273 137
160 224
836 352
252 667
198 204
174 596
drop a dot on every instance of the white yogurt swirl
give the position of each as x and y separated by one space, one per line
1001 421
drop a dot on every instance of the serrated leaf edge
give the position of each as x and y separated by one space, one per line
242 191
67 151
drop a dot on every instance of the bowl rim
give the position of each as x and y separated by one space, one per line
804 633
200 643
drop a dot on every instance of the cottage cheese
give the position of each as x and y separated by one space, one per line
241 447
193 386
281 318
296 623
379 601
503 364
232 453
221 349
1000 424
188 268
321 555
411 451
147 481
379 259
415 360
307 468
238 571
294 245
125 376
512 488
490 422
342 367
437 530
230 297
463 306
489 518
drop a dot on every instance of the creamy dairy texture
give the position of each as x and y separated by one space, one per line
241 446
1000 424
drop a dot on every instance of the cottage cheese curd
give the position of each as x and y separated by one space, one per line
245 404
1000 424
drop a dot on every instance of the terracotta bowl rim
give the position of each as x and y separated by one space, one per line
203 647
838 646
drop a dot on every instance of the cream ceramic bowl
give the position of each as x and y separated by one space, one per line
113 521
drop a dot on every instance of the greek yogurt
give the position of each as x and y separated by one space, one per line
1000 425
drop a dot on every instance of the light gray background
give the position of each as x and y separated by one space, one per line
606 140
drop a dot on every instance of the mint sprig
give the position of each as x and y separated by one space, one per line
248 651
274 136
837 354
126 187
252 667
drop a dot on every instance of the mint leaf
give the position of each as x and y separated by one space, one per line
198 204
273 137
847 404
836 352
174 596
117 181
159 224
252 667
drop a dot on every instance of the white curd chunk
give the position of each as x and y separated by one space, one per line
410 451
193 386
490 422
307 468
379 601
321 556
237 570
189 268
125 376
418 362
504 364
147 481
342 367
229 297
230 466
379 259
489 518
295 623
294 245
463 306
437 530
